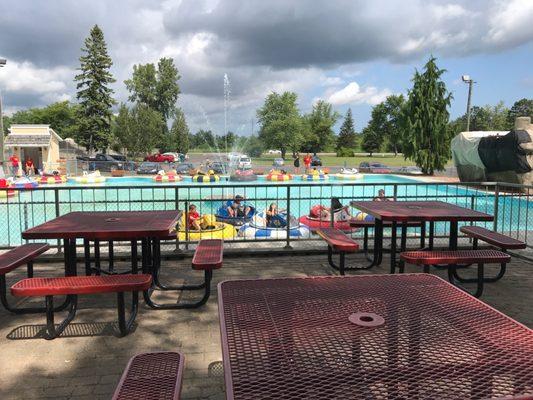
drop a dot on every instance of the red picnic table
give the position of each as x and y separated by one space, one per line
402 212
149 227
369 337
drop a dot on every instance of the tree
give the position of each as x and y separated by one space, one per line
252 145
157 89
61 117
394 126
94 93
139 129
372 140
203 139
319 127
486 118
179 134
347 137
427 140
226 142
521 108
281 124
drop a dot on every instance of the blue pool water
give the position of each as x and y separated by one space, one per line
31 208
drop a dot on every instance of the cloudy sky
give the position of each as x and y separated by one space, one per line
352 53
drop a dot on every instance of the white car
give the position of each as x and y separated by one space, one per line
233 156
244 162
274 152
175 155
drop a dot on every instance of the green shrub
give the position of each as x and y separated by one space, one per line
345 152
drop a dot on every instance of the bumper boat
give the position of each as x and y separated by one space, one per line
5 189
349 174
25 183
278 176
341 220
215 230
222 215
243 175
257 228
315 177
164 178
52 179
90 178
209 177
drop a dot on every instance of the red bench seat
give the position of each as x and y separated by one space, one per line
81 285
494 238
21 255
338 240
208 254
152 376
453 258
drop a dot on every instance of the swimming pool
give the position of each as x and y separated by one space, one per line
34 207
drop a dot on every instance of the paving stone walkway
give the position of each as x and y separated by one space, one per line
87 362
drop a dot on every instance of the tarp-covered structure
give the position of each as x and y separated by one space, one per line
501 156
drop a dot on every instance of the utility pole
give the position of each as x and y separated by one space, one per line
470 81
2 63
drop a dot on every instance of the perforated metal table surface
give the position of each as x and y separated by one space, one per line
409 336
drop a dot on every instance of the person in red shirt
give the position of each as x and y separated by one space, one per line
14 164
194 218
307 162
30 168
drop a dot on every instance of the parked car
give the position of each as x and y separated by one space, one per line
148 168
177 157
278 162
411 170
374 167
274 152
105 162
316 161
231 157
159 158
219 167
183 168
245 162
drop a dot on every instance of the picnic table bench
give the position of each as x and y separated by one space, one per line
72 286
13 259
452 258
208 256
155 375
339 242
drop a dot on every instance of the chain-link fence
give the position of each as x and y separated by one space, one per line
23 209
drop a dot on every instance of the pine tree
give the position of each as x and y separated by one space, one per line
427 139
94 93
179 133
347 137
372 140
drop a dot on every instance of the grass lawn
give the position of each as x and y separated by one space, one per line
334 161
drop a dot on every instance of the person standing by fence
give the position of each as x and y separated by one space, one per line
14 164
297 164
307 162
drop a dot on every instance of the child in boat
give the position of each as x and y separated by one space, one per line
194 218
340 212
381 196
237 209
273 217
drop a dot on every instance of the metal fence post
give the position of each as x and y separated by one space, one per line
186 225
496 206
56 202
26 217
395 192
288 243
331 212
177 206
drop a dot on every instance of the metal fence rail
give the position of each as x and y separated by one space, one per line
508 202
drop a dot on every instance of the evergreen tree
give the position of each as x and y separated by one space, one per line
372 140
427 140
179 134
347 137
94 93
319 134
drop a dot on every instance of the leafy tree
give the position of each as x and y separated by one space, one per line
281 124
394 122
521 108
486 118
157 89
347 137
427 140
61 116
319 127
94 93
372 140
252 145
226 142
178 139
139 129
203 139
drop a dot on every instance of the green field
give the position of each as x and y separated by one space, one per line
334 161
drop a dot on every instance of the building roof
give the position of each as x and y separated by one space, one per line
30 136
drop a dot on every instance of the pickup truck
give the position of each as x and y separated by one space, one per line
106 162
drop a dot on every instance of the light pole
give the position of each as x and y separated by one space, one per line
2 63
470 81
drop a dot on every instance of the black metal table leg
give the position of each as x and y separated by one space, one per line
393 248
87 255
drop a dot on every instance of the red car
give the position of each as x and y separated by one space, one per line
159 158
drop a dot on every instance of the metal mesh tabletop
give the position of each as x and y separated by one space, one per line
411 336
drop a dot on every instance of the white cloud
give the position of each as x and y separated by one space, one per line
25 77
511 22
354 94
